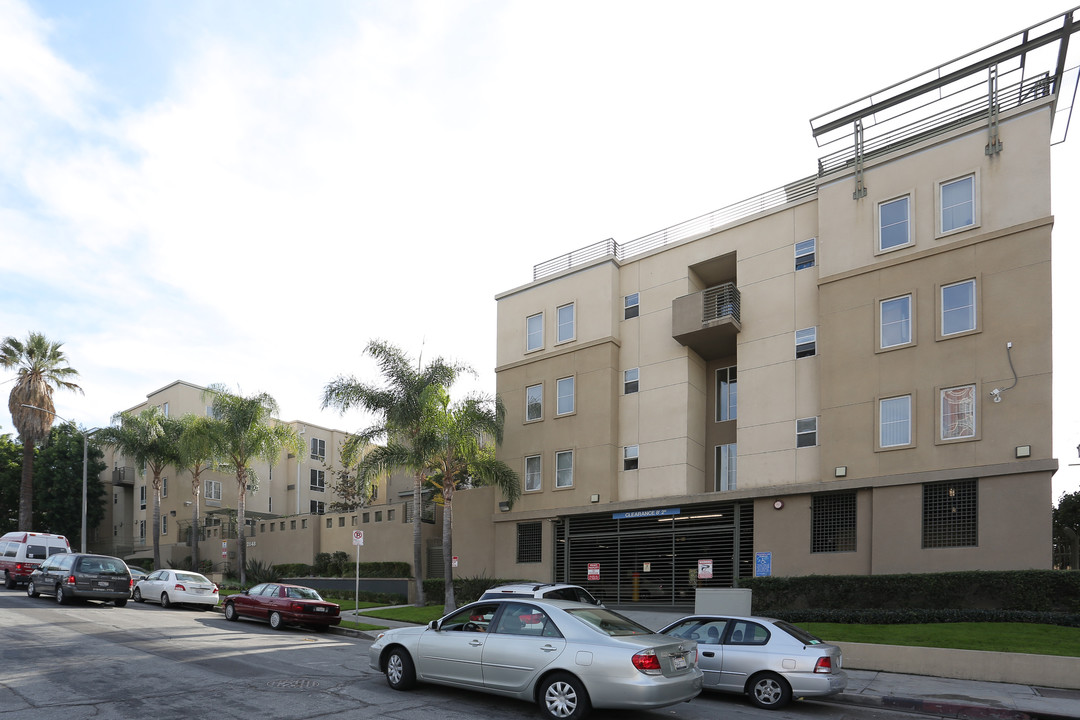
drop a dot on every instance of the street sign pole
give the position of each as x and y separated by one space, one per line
357 540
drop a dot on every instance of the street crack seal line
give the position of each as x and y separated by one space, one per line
295 684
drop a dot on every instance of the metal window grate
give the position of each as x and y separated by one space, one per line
529 538
950 514
833 522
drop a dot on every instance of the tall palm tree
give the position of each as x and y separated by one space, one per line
248 432
398 405
197 455
42 367
462 451
150 440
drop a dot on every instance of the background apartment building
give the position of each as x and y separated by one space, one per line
850 374
288 513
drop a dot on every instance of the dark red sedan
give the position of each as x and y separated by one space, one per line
283 605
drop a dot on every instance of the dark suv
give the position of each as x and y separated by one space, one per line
75 575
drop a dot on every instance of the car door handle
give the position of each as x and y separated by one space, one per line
709 654
476 643
549 648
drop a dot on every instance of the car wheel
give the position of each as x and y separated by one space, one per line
9 582
400 671
137 595
769 691
31 590
165 600
61 596
230 611
563 697
120 602
275 621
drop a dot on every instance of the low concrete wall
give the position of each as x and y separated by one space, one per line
1015 668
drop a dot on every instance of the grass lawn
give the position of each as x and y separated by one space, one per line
410 613
999 637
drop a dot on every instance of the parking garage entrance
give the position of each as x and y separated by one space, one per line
657 556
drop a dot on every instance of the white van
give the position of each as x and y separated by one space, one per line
21 552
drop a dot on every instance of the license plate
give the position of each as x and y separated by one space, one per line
320 609
103 583
680 662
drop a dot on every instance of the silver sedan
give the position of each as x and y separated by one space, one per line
566 656
769 660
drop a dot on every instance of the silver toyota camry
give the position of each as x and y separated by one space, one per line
769 660
565 656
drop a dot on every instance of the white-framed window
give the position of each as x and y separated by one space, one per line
142 497
894 223
726 466
564 318
142 529
957 199
534 332
958 307
806 342
318 480
533 475
630 306
318 449
805 254
317 507
958 413
630 457
894 421
565 392
630 381
534 403
165 409
727 395
895 321
164 524
564 469
164 487
212 489
806 432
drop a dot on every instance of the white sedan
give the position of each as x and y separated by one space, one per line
176 587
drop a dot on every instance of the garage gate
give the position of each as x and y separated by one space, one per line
652 557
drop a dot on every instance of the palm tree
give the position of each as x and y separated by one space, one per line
461 452
399 409
151 440
197 456
42 367
248 432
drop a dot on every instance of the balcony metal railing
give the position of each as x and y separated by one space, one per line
123 476
719 302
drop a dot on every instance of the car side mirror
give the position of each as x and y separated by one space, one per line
433 625
243 592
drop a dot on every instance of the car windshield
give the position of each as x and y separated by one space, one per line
191 577
608 622
798 633
302 593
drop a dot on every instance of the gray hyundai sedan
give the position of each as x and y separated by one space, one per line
769 660
565 656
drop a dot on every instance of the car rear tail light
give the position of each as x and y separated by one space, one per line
215 587
647 662
179 587
71 580
823 665
296 607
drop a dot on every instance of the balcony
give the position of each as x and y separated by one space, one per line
707 322
123 476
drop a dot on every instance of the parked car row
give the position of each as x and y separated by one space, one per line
551 643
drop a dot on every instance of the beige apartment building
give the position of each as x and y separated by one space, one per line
850 374
288 511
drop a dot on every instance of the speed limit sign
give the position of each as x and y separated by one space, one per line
358 537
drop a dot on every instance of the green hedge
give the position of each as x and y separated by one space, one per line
1024 591
466 590
908 617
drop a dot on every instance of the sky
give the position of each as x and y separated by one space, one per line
246 192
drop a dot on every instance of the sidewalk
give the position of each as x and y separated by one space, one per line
942 697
